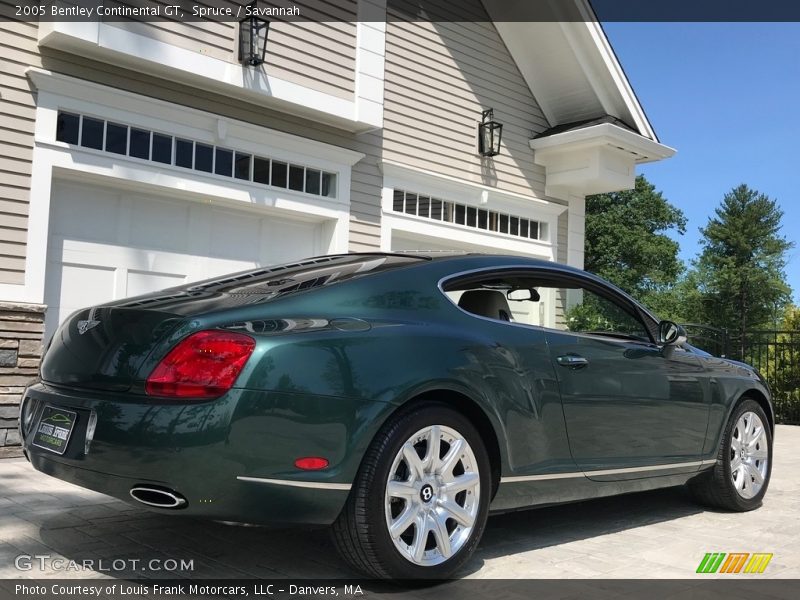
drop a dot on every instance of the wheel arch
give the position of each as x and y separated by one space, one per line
465 404
761 398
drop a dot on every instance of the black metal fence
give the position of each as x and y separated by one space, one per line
776 354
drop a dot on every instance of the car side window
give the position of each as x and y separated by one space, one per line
547 301
588 312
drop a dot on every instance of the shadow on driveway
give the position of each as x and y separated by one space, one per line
113 530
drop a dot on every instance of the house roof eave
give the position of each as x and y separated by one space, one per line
571 68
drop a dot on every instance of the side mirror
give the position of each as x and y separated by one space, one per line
671 334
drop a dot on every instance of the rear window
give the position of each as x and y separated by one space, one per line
263 285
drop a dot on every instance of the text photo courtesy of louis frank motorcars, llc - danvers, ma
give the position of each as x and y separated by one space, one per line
399 298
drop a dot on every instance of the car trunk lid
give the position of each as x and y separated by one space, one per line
104 347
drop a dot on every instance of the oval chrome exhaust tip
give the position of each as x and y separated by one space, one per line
157 496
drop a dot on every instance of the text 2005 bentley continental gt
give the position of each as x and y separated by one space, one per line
400 398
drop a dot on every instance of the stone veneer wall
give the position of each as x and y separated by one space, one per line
21 329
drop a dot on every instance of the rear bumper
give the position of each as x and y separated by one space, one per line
231 459
228 500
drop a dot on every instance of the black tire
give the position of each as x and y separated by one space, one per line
715 487
361 534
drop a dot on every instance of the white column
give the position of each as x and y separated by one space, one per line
576 231
370 61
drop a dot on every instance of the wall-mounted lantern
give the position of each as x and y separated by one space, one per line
253 31
489 134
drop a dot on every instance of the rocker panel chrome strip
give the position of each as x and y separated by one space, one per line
521 478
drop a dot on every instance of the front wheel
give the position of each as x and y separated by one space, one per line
741 474
420 502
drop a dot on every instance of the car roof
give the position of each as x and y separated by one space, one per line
480 259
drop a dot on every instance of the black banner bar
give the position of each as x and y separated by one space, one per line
735 586
404 10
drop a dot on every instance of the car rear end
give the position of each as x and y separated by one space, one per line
152 401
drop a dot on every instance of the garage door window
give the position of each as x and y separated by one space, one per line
117 138
428 207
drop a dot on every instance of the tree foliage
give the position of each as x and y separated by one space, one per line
740 270
627 242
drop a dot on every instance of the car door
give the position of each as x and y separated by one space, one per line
632 408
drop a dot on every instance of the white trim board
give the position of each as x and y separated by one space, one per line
103 41
466 192
175 119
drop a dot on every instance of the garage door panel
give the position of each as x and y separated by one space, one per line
91 212
158 225
76 286
106 245
236 237
143 282
284 237
83 284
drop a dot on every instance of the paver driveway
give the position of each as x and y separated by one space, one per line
659 534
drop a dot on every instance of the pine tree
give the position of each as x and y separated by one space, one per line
741 267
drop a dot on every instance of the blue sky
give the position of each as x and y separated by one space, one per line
727 97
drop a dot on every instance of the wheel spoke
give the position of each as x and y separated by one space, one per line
753 472
450 459
755 435
441 535
404 520
401 489
741 425
738 477
736 463
413 461
431 461
736 445
420 537
467 481
760 454
456 512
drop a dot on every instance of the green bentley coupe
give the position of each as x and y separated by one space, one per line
398 398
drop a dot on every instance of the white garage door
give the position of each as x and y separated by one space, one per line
106 244
408 242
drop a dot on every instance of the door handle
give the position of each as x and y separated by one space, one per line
572 361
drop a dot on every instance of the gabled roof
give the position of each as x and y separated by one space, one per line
569 65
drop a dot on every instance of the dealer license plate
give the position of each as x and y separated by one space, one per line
54 429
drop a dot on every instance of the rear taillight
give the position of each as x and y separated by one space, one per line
203 365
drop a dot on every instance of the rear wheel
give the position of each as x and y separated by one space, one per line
741 474
420 502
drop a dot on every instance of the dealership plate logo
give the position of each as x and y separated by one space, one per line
86 325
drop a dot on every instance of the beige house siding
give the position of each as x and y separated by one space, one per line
320 56
439 77
17 116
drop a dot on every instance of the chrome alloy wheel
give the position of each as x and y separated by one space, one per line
749 455
432 495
